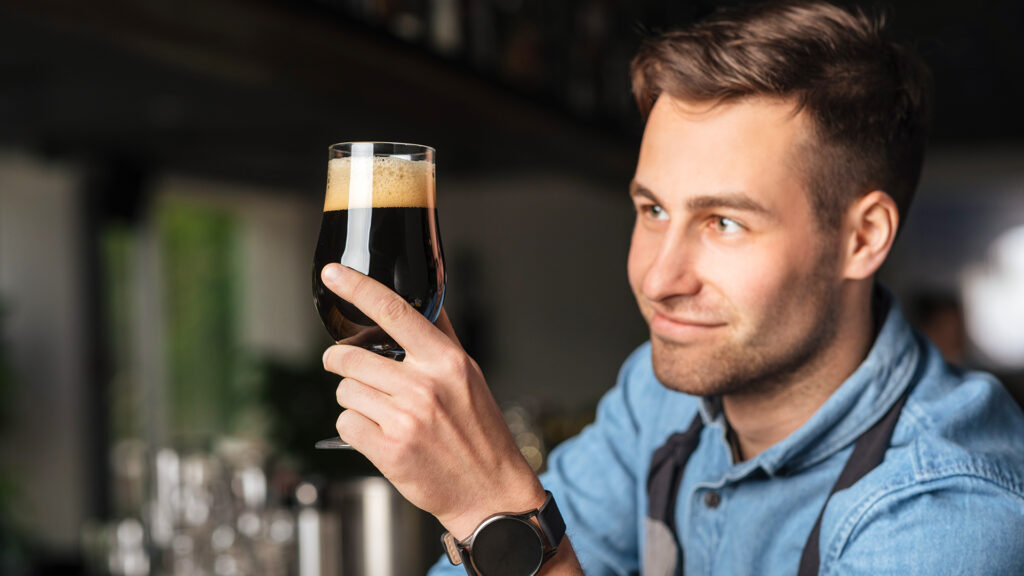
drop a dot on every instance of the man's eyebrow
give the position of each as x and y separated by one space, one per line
730 200
638 189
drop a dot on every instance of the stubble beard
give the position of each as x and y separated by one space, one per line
758 364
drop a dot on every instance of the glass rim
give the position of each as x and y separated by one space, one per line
342 146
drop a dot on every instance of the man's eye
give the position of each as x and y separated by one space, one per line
654 211
727 225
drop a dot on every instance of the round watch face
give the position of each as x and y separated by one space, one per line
507 547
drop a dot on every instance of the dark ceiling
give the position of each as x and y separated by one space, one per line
252 90
256 90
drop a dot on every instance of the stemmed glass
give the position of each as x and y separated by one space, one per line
380 218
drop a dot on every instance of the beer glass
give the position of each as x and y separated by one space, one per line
380 218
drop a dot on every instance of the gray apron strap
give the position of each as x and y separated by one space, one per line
663 554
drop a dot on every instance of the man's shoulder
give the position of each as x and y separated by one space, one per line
961 422
954 473
930 510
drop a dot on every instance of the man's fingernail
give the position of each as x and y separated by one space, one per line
332 272
326 354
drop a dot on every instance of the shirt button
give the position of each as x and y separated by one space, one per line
712 499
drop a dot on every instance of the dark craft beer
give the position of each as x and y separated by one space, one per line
380 219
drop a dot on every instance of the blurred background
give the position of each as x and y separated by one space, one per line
162 169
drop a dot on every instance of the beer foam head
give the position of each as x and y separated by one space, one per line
379 182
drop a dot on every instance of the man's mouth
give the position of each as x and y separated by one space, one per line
681 328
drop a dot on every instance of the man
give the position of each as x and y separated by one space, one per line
782 147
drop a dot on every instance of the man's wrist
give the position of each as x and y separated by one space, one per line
563 563
518 501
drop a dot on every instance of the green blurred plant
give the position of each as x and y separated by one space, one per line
202 295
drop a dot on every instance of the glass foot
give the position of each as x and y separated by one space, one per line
335 443
388 351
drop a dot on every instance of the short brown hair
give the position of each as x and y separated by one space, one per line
867 97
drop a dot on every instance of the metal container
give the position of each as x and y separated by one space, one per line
366 528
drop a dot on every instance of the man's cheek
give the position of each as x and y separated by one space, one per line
753 281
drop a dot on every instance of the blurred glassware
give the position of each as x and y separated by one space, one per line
319 533
127 556
207 513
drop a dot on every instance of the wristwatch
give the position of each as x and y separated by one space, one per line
509 544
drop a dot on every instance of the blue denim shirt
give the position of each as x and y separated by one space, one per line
948 498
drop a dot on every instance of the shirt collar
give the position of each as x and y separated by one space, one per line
853 408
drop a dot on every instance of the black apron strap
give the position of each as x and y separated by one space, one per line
663 556
867 454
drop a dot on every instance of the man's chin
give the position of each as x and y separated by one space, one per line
683 369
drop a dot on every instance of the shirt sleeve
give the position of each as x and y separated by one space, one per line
949 526
593 478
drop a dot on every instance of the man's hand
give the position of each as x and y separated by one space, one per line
429 423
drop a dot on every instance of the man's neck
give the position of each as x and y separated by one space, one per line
760 419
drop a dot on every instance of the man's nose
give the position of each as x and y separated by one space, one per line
673 271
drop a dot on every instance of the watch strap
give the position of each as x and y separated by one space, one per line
552 526
452 548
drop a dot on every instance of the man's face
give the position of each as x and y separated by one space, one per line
728 265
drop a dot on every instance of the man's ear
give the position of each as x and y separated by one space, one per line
869 230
